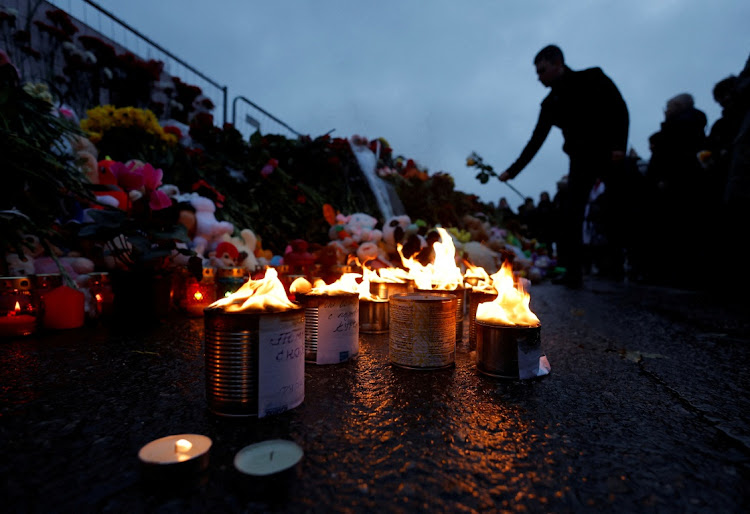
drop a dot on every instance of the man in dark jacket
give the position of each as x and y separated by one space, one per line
587 106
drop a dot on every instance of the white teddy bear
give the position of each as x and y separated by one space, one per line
208 230
245 245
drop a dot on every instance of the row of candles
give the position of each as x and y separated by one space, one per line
30 304
255 361
257 340
254 329
45 301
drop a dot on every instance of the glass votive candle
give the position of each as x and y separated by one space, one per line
102 298
19 309
41 285
198 295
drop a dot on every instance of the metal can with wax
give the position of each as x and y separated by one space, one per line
373 316
422 331
254 351
331 327
475 298
459 293
508 332
508 351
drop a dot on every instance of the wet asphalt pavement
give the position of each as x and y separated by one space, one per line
645 410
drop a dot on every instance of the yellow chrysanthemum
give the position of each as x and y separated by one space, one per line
105 117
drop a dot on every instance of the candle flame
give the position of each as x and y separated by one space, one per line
511 306
266 294
16 309
98 297
198 296
182 446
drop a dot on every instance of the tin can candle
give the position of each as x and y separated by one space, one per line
331 327
385 290
508 351
475 298
254 361
459 293
18 307
422 330
373 316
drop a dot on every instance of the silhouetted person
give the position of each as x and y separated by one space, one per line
587 106
721 137
505 211
737 191
678 184
544 221
526 212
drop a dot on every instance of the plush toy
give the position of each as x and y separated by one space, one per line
263 255
353 230
19 266
361 227
477 227
245 245
207 228
373 256
109 192
86 156
482 256
225 255
297 254
394 232
74 265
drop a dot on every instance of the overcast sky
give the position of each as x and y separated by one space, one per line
442 78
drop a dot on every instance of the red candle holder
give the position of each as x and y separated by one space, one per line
102 298
198 295
19 309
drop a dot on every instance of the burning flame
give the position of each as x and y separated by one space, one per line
511 307
16 309
347 283
477 278
181 447
442 273
266 294
363 288
389 275
198 296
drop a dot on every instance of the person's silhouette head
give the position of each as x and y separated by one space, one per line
550 64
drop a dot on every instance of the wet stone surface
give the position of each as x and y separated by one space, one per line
645 410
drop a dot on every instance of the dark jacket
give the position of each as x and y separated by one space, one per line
587 106
674 163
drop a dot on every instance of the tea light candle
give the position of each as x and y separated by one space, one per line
175 454
268 457
17 325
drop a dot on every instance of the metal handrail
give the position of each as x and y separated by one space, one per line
167 52
274 118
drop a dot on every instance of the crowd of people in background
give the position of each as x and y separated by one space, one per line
667 219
